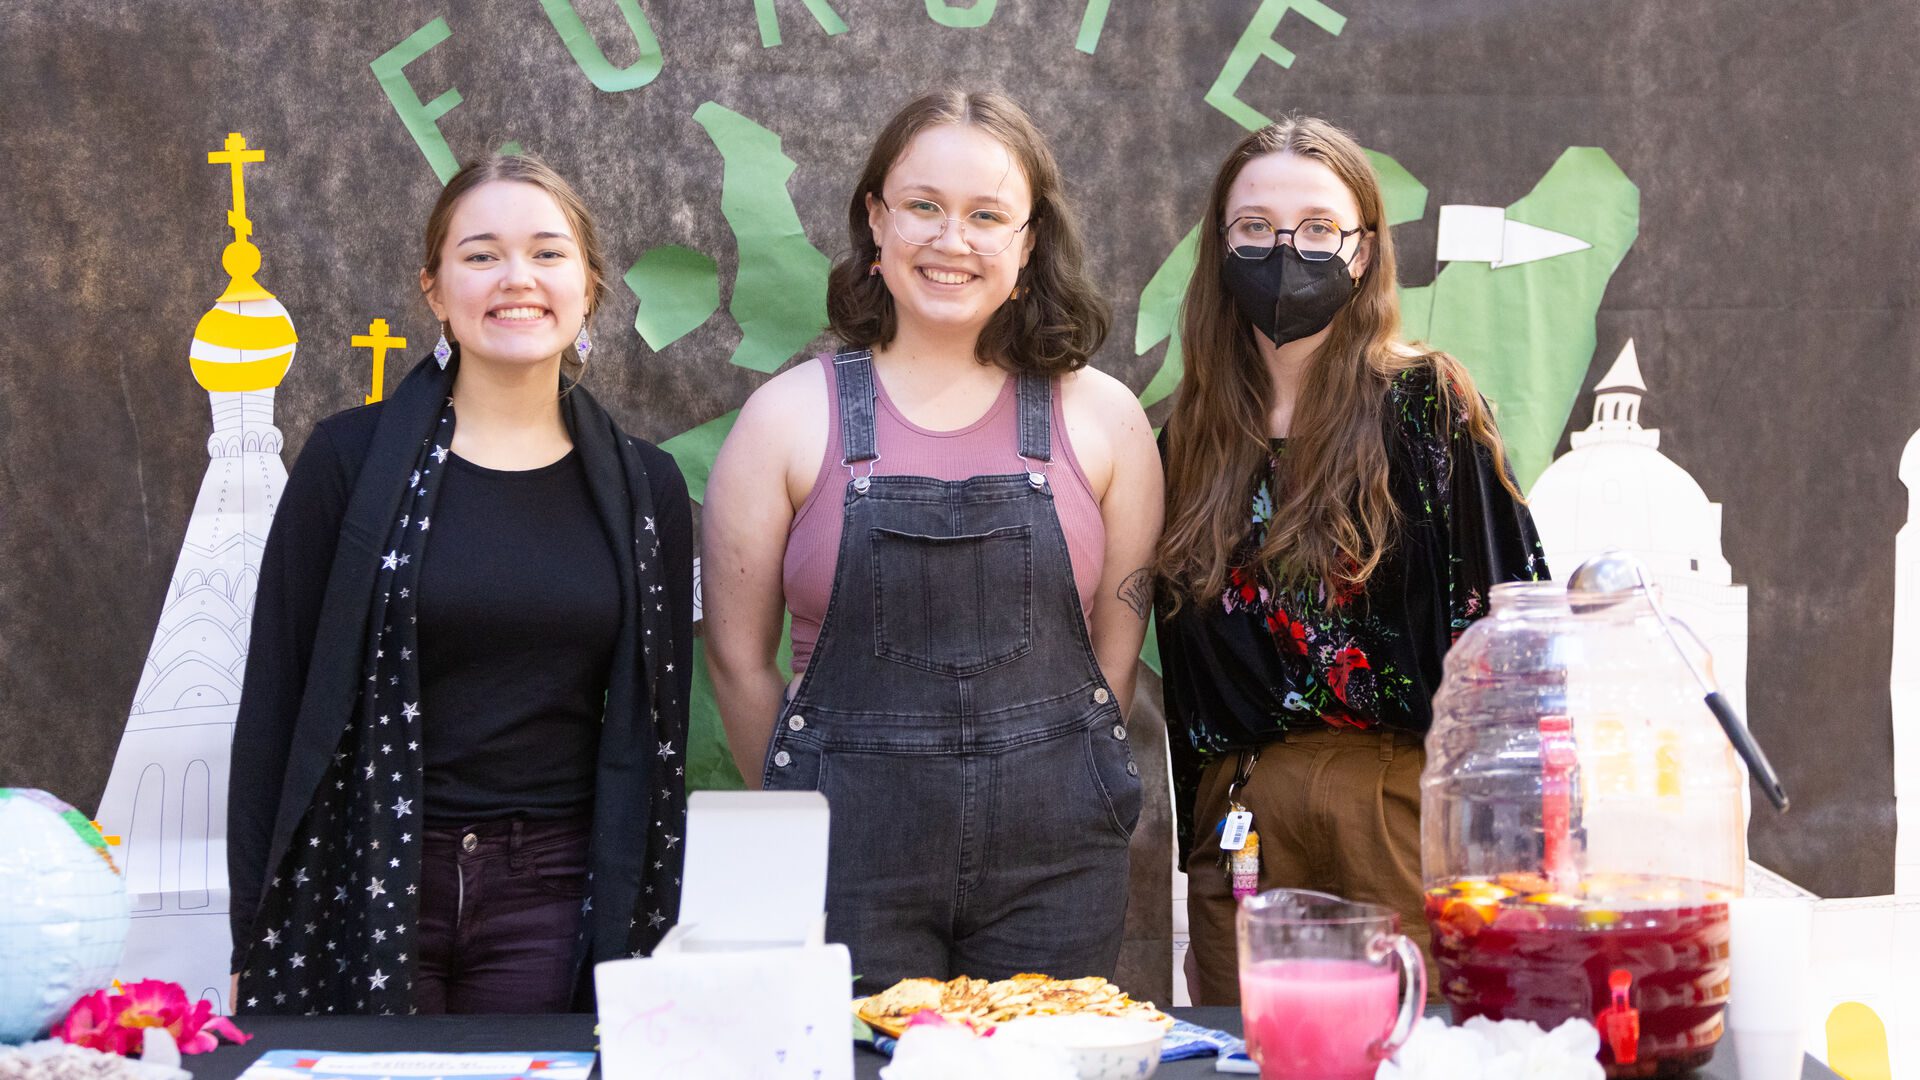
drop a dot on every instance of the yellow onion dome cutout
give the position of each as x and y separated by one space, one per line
247 341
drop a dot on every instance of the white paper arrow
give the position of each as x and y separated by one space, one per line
1483 234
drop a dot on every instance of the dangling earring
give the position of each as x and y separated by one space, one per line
874 269
1017 293
442 352
583 344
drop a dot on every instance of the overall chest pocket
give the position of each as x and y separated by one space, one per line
953 605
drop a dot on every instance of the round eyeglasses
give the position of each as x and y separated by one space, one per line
920 222
1316 239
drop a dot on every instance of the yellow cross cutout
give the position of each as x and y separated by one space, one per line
237 157
376 339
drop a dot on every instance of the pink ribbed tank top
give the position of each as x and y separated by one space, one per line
987 447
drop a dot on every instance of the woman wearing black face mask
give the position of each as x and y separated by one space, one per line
1338 505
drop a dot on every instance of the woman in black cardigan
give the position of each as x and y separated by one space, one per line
457 769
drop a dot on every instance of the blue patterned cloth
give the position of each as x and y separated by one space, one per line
1183 1041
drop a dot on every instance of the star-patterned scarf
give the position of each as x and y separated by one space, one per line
337 925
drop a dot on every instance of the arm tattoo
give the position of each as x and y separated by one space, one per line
1137 591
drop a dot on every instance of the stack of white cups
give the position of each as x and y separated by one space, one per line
1767 1012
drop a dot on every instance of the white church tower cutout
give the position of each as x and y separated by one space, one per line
1615 489
167 795
1905 684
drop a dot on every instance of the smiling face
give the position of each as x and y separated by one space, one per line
512 282
971 176
1287 189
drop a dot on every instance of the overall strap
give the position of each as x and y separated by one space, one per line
853 380
1035 395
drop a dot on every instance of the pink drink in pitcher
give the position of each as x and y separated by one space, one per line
1323 1019
1328 988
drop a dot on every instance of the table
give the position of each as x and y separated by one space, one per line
575 1032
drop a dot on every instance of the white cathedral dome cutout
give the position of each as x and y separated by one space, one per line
1615 489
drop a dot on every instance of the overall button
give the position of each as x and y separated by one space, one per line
469 842
1133 769
783 759
796 722
1100 696
1120 732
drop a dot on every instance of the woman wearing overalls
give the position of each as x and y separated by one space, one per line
957 513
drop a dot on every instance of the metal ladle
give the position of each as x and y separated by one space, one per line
1613 576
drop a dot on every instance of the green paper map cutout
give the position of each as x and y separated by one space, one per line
695 448
780 290
1526 332
678 287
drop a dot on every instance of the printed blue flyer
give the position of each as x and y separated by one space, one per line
329 1065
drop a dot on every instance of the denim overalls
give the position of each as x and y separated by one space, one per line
973 755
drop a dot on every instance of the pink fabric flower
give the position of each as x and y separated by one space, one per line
92 1023
115 1023
199 1030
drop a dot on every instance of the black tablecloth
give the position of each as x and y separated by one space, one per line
575 1032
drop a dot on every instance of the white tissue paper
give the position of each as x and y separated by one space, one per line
931 1052
1482 1049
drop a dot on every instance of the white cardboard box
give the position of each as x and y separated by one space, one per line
743 985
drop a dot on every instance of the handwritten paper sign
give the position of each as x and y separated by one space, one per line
777 1014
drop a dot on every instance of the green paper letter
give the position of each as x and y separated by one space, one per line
586 52
780 289
828 19
966 18
1257 42
1091 24
418 116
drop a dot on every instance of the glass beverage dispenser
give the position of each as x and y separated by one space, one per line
1582 828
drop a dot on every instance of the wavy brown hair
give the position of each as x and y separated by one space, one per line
524 169
1333 516
1061 317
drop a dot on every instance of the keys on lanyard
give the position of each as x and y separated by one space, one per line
1239 843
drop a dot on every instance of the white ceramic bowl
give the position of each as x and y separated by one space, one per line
1101 1047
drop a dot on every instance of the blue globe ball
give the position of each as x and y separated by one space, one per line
63 912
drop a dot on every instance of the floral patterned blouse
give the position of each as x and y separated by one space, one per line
1259 661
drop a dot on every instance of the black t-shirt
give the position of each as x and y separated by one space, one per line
519 612
1245 667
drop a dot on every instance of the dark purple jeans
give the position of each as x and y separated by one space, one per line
499 915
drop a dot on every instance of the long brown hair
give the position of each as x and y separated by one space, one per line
524 169
1060 319
1333 515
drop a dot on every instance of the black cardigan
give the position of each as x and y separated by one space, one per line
276 742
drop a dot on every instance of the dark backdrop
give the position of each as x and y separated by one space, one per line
1769 292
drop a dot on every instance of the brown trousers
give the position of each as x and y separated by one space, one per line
1338 811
